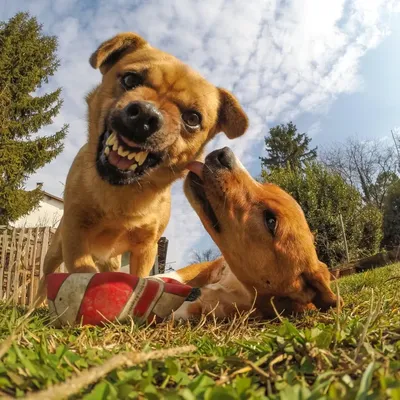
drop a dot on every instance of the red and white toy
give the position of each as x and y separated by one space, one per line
94 299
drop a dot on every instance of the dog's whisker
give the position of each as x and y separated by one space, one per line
171 166
225 198
209 168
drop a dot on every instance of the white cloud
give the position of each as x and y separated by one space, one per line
281 59
314 129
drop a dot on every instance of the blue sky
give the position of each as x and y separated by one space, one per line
373 110
330 66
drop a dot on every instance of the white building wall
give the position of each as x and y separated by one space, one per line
48 213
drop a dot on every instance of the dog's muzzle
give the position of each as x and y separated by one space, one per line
137 121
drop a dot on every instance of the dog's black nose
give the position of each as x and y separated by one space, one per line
141 119
222 158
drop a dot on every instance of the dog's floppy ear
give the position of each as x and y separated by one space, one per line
319 280
232 120
112 50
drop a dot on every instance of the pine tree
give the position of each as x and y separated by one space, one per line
287 148
27 60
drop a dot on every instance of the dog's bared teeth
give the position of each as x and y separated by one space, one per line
133 167
115 145
122 152
141 157
111 139
107 151
131 156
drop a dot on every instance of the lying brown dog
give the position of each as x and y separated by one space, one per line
267 247
148 118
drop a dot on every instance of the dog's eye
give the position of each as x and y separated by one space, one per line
270 221
191 118
131 80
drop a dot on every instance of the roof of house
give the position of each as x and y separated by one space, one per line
53 197
39 185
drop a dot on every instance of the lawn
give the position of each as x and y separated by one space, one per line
353 355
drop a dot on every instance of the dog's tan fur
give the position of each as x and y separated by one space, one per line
256 265
102 221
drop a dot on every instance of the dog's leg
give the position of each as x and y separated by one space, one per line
113 264
75 248
142 260
53 259
215 300
198 275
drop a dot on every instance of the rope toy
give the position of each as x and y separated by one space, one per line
98 298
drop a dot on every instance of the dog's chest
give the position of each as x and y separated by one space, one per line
120 235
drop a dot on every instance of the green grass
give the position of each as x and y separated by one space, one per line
353 355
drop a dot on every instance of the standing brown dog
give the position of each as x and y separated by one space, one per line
148 118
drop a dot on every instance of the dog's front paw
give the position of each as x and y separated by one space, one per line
183 312
188 310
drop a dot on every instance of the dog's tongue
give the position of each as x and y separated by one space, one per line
197 168
120 162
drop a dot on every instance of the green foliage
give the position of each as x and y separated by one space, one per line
379 189
350 355
27 60
391 217
287 148
371 222
322 195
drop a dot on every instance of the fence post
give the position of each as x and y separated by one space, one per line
18 263
344 238
155 269
4 247
43 250
11 262
25 267
32 289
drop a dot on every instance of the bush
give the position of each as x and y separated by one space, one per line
372 234
323 195
391 218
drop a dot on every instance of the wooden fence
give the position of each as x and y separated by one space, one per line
22 252
367 263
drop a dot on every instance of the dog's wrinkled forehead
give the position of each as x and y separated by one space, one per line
170 78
